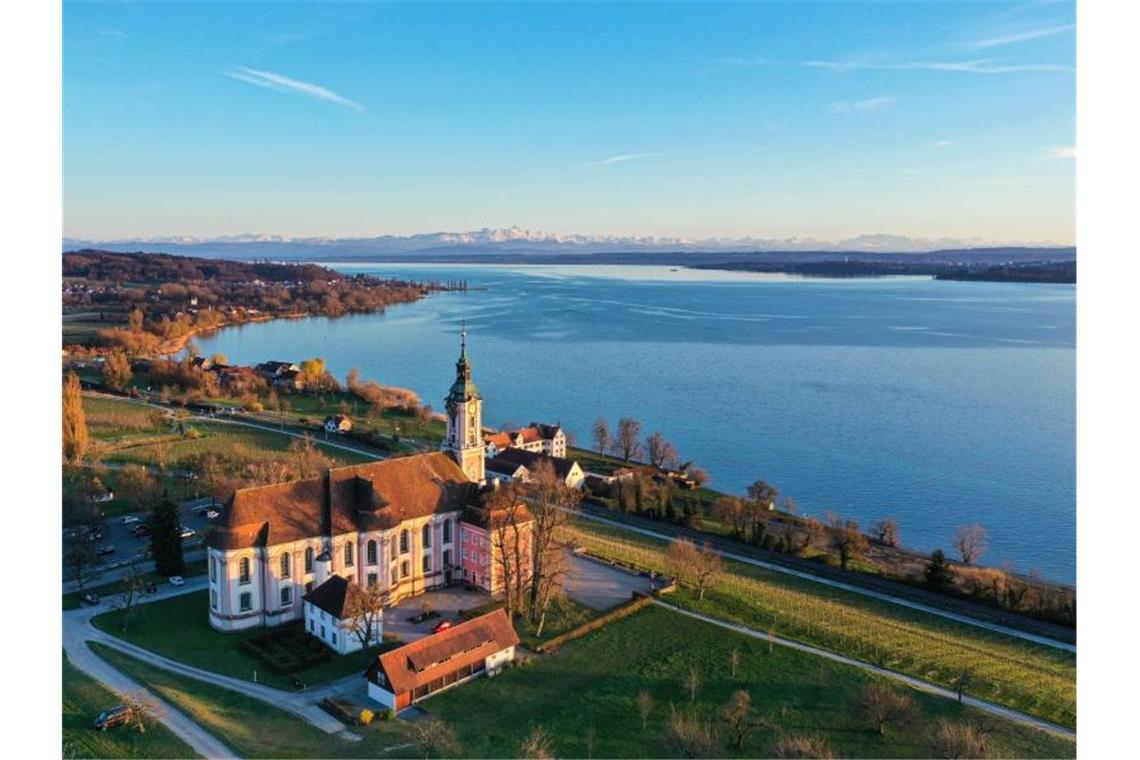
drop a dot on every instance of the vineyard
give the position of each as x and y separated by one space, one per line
1027 677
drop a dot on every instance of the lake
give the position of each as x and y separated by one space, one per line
939 403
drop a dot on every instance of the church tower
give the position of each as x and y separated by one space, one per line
464 437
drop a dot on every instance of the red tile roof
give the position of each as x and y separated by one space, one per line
372 496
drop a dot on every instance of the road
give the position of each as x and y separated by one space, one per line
929 688
965 619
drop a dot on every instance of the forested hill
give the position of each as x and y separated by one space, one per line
148 268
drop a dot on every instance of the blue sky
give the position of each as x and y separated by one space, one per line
824 120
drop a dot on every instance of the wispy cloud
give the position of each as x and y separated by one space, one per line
981 66
281 83
1025 36
621 159
868 104
1061 151
943 143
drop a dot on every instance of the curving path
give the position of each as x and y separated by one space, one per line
965 619
929 688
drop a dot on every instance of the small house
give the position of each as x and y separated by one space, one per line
328 615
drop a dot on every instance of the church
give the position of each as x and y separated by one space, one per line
406 524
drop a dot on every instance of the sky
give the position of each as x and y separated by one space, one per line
770 120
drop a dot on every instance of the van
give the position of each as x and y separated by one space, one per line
116 716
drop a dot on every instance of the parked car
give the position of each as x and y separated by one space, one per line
177 580
103 551
442 625
189 532
89 599
212 515
116 716
131 520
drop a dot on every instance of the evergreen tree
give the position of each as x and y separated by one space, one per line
75 436
938 574
166 538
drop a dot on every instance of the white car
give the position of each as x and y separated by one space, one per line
131 520
212 515
177 580
188 532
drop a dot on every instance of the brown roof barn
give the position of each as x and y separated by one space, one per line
425 666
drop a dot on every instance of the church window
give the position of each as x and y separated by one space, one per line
285 568
405 569
243 570
371 552
403 542
427 563
309 560
427 536
447 531
286 596
245 602
348 555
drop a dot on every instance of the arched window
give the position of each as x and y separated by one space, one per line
309 560
403 542
427 536
285 566
243 570
371 550
447 531
348 554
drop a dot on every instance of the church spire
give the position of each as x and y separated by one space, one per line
463 389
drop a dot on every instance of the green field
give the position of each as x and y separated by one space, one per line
111 419
225 439
178 628
254 729
83 700
1033 679
595 681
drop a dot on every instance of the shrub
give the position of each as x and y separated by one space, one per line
388 714
366 716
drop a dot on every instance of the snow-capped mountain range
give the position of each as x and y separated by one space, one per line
518 240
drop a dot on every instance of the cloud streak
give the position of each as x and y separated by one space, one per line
281 83
1061 151
981 66
1031 34
621 159
868 104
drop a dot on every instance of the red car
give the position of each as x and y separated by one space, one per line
442 625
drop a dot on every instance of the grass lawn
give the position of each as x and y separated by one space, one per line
226 439
111 419
104 589
253 728
1033 679
595 681
83 700
178 628
565 614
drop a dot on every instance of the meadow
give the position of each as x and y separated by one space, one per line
1030 678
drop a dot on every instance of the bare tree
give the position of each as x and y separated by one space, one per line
435 737
603 438
887 532
698 475
848 540
134 585
693 566
140 712
80 560
308 460
971 542
951 739
764 493
508 523
689 736
693 682
628 441
661 452
644 707
881 705
739 718
363 612
730 511
537 745
962 682
550 585
552 504
800 746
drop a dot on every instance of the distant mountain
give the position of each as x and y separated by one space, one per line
515 244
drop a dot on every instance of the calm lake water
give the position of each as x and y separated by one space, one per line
939 403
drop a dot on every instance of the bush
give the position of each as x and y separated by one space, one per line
388 714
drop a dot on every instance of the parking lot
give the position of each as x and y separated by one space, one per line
119 534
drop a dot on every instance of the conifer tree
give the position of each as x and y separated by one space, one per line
166 538
938 573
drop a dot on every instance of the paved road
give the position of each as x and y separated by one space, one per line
929 688
967 620
600 585
76 627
